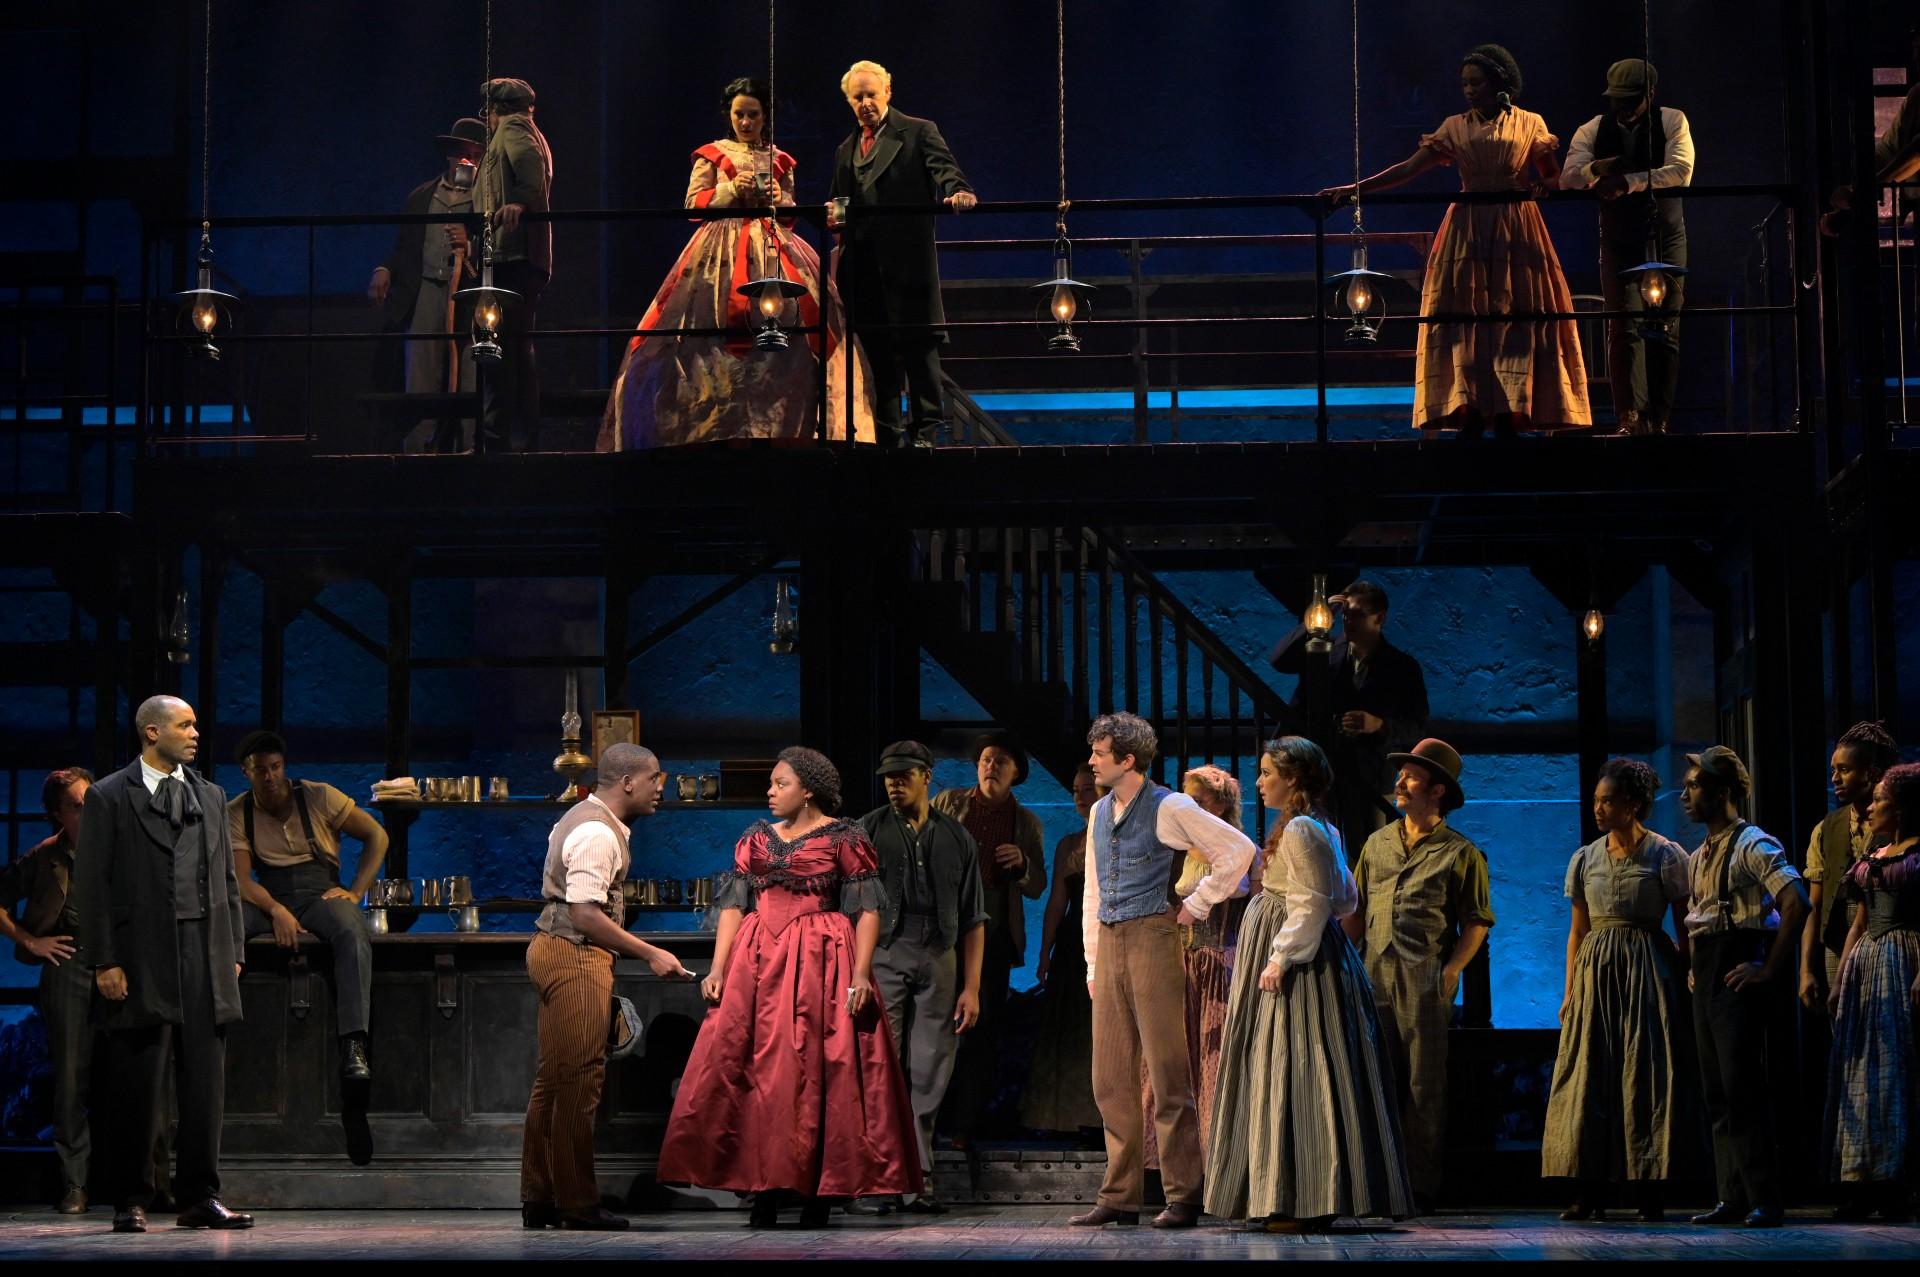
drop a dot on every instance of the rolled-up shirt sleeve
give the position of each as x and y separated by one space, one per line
1184 824
590 854
1678 170
1577 173
1763 860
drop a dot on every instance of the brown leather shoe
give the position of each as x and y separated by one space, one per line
1177 1215
73 1201
211 1214
130 1220
1100 1215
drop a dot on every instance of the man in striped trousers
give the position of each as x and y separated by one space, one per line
570 961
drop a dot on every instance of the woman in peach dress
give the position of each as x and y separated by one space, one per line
1491 259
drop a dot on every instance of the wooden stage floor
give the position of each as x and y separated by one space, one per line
969 1232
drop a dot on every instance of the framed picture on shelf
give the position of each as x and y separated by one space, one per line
614 727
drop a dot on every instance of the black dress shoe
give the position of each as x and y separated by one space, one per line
1723 1215
1853 1212
815 1214
211 1214
596 1219
1177 1215
1652 1215
1581 1211
353 1060
73 1201
870 1206
925 1204
1764 1217
1100 1215
130 1220
539 1215
765 1212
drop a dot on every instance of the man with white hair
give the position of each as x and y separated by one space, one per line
889 271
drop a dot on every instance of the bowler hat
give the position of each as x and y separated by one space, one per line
1724 766
1004 741
1631 78
508 93
1438 757
466 132
903 756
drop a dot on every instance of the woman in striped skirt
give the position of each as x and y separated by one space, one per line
1305 1124
1622 1091
1873 1076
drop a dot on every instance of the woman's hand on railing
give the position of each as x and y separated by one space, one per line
1340 196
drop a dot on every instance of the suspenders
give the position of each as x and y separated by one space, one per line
299 800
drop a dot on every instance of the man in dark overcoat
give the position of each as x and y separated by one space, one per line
889 270
159 914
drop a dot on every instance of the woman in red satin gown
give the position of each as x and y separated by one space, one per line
793 1087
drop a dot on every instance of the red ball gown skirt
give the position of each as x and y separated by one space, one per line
785 1088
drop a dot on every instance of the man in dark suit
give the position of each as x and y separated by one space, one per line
425 268
1378 701
889 270
159 914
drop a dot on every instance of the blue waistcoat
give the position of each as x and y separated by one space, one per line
1135 867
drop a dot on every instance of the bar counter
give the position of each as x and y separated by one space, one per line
453 1053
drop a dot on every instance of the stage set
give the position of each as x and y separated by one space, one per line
679 539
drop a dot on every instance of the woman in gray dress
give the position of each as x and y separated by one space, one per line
1305 1122
1873 1077
1621 1087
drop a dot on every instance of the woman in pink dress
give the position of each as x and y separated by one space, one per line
1491 259
793 1087
673 390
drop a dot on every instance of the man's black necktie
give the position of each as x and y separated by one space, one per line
170 800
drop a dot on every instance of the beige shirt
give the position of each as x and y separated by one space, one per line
281 843
1860 834
591 854
1736 876
1183 825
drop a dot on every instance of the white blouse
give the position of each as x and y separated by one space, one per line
1310 872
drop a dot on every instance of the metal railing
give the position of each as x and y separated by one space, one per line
178 426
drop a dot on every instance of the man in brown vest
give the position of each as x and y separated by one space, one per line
1860 758
570 961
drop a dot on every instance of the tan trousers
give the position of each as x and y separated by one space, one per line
575 986
1140 1013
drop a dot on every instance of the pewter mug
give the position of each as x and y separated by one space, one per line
456 890
429 893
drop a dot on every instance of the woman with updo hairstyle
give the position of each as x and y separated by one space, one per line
1623 1104
1306 1121
673 389
1873 1073
793 1089
1490 259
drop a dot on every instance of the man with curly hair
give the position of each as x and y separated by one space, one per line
1135 973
